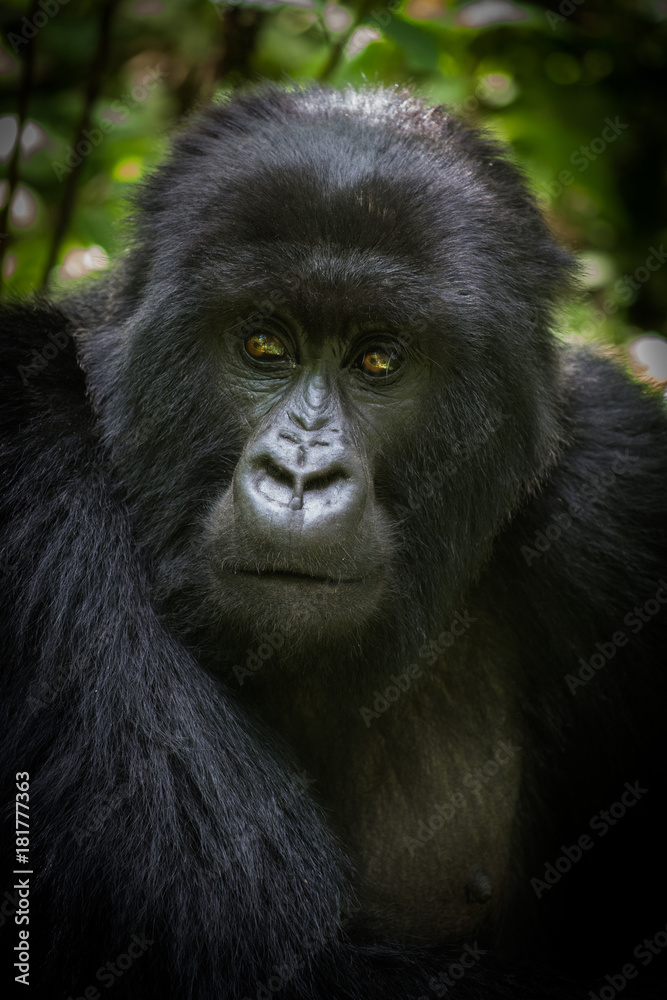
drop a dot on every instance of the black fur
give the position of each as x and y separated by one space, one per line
217 819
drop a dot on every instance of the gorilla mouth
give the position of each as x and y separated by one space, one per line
298 576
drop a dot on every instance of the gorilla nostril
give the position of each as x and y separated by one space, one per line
282 484
323 480
276 472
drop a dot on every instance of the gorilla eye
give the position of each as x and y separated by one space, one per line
266 347
380 361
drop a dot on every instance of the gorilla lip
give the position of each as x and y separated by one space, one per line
297 576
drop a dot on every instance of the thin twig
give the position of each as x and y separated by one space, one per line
365 8
95 80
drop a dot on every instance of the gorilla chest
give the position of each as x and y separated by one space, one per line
430 832
424 802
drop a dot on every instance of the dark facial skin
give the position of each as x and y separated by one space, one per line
298 537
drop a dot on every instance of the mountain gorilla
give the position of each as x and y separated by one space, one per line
335 588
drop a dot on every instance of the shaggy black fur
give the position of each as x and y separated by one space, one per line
288 830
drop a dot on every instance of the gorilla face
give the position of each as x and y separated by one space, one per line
299 537
318 408
307 534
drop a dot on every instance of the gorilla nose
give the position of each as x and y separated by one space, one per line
290 482
278 482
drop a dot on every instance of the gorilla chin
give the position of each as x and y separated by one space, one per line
311 609
312 564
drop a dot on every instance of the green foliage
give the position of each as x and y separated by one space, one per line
575 86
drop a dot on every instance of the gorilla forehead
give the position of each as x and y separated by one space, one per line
315 196
326 287
362 201
323 223
324 173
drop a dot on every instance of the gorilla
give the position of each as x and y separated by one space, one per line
335 588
